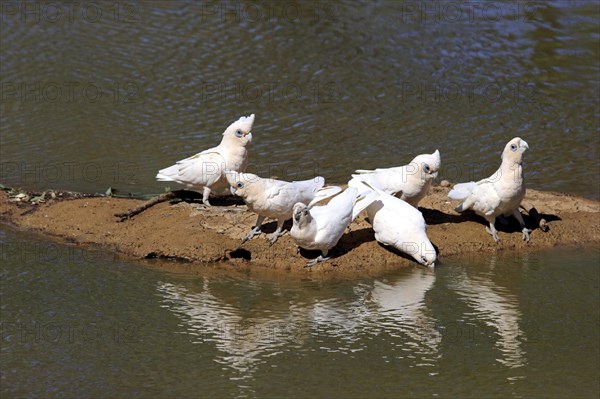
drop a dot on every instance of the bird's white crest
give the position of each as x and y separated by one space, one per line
427 165
205 169
243 124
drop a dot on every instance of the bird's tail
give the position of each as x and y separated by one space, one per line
363 201
168 174
462 190
324 193
365 183
463 206
362 181
372 193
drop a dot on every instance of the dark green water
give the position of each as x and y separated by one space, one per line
86 324
105 94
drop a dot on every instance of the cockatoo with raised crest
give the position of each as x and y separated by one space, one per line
410 183
205 169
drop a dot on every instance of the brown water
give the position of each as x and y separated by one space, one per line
335 87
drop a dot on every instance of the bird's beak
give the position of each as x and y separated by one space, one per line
435 174
523 146
232 189
249 135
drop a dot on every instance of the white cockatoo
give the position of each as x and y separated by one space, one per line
500 194
275 199
205 169
321 227
410 183
400 225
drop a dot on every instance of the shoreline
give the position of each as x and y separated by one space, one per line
189 235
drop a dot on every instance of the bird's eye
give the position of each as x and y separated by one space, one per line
238 133
426 168
513 147
240 184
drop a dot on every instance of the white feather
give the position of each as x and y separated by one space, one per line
275 198
410 182
321 227
462 190
324 193
205 169
499 194
400 225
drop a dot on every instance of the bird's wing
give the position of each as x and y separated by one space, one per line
337 212
399 224
324 193
462 190
357 181
275 196
363 201
280 195
302 191
483 199
310 185
488 199
390 180
202 169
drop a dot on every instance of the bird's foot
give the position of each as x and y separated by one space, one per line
273 238
254 232
205 202
493 233
318 259
526 232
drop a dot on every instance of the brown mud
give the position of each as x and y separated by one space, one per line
192 236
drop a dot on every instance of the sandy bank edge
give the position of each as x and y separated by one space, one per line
193 236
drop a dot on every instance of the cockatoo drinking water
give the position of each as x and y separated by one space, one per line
500 194
399 225
275 199
205 169
321 227
410 182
